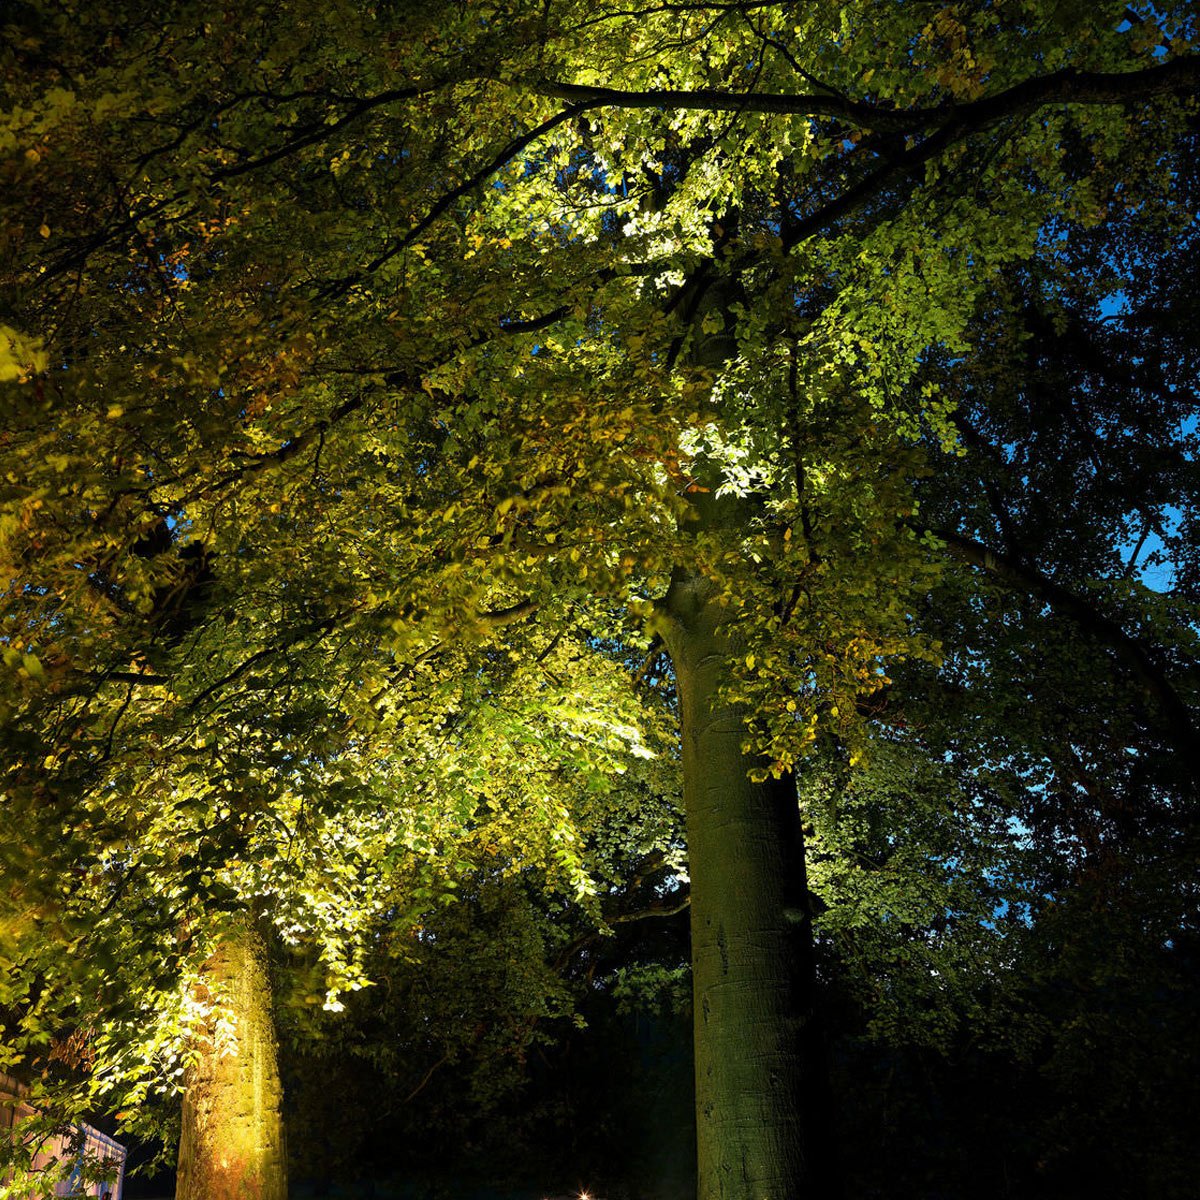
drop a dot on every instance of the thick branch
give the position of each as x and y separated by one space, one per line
325 625
1067 86
322 132
1087 617
506 616
447 199
138 678
289 449
872 184
253 464
654 910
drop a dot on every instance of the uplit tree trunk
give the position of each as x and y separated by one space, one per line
761 1095
232 1147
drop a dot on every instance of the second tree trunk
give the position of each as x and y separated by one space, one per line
231 1146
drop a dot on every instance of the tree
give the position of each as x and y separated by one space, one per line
534 330
1053 730
448 1057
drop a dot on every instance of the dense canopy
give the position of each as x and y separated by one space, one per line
414 413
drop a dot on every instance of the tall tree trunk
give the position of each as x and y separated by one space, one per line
232 1147
761 1095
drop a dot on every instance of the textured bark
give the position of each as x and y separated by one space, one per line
231 1147
760 1091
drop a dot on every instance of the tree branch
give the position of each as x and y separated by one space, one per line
506 616
325 625
323 131
145 679
425 1079
1086 616
654 910
1067 86
473 181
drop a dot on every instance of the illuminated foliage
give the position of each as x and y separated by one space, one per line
359 361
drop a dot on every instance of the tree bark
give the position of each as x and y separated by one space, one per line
232 1146
761 1094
